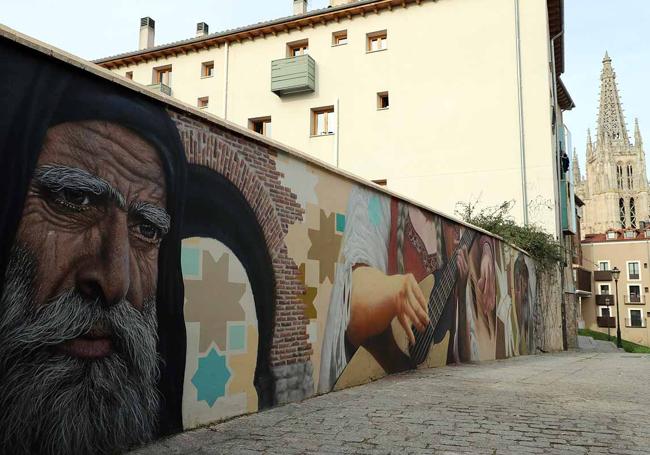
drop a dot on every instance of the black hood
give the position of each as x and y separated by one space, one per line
36 93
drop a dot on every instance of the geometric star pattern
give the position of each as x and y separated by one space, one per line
213 301
308 296
211 377
325 245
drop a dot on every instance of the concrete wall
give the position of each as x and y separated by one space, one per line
451 72
170 269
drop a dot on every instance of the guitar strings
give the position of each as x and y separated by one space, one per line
448 281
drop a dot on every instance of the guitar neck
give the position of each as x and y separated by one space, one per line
447 278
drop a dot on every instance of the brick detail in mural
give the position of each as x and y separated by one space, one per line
252 169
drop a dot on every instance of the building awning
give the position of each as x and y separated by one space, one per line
563 97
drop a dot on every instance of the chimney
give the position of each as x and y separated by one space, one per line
147 32
340 2
201 29
299 7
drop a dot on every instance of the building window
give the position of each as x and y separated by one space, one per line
382 100
629 234
323 121
604 311
377 41
603 265
604 289
630 177
632 213
339 38
207 69
635 319
621 212
633 270
619 176
298 48
202 102
163 75
634 293
129 75
261 125
611 235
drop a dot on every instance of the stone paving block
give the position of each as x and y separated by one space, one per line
550 404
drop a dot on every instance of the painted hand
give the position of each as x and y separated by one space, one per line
410 304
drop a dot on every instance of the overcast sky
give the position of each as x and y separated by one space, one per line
92 29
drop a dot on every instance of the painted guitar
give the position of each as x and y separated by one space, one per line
445 281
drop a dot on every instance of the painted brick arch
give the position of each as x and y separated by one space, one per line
251 168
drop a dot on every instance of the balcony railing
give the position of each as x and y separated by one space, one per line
635 322
293 75
634 299
602 275
606 321
605 299
166 89
633 276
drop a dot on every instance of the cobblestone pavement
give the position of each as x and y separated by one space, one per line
569 403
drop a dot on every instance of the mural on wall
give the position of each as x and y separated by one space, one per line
222 335
162 272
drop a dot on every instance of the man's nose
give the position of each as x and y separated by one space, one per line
105 273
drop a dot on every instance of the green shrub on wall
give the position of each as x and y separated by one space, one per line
541 246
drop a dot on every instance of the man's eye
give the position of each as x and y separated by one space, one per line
73 198
149 231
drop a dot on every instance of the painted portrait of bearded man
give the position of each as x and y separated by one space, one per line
92 337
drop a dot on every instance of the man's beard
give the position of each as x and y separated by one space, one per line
53 403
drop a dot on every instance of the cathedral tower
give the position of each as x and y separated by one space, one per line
615 190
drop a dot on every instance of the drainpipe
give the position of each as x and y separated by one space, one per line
225 80
520 107
338 131
558 204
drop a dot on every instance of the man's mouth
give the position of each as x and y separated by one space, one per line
95 344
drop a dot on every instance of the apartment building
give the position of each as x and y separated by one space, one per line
442 101
629 251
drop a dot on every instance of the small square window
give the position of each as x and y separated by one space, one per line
377 41
629 234
298 48
261 125
129 75
382 100
202 102
207 69
340 38
611 235
323 121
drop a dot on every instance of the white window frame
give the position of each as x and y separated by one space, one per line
600 310
611 235
628 270
629 318
607 262
600 289
641 295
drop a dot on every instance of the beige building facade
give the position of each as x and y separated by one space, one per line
443 101
615 190
629 251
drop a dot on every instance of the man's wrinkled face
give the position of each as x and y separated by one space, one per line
94 218
78 330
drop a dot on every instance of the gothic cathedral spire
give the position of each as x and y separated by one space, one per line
611 123
576 168
615 188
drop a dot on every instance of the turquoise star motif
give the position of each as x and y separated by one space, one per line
211 377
